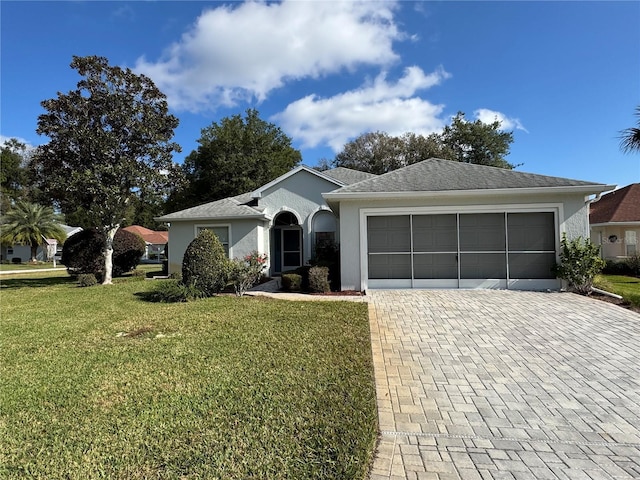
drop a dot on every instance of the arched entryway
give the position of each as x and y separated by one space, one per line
286 241
324 228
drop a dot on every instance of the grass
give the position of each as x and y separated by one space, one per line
627 287
97 383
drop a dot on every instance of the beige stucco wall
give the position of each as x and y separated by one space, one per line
245 236
611 249
572 219
301 193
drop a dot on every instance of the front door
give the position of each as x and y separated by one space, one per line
291 248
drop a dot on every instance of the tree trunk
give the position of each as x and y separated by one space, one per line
108 254
34 252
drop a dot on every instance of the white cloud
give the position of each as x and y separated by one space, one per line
380 105
235 53
489 116
4 139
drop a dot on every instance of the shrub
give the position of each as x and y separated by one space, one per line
83 252
173 291
205 265
291 282
327 254
16 260
128 249
139 274
580 262
87 280
616 268
246 272
319 279
634 265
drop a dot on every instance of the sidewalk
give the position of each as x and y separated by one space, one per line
35 270
272 289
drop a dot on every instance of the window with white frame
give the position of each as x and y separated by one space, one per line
631 242
220 231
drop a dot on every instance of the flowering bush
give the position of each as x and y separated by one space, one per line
245 272
579 263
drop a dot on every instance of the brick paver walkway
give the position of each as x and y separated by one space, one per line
481 384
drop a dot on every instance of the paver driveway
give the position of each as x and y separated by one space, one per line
483 384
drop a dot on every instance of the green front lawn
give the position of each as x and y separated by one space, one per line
98 383
627 287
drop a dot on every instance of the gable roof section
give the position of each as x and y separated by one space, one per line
446 176
148 235
348 176
619 206
227 208
239 206
302 168
69 230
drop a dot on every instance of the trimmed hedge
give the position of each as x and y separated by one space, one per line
128 249
87 280
629 267
291 282
205 265
319 279
82 253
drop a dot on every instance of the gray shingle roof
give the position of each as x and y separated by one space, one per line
435 175
348 176
232 207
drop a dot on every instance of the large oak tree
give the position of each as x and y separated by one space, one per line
462 141
110 140
236 155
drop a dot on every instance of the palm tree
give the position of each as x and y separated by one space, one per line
30 223
630 138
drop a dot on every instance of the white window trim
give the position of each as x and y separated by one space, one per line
198 226
556 208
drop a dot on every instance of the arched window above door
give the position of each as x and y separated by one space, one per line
285 219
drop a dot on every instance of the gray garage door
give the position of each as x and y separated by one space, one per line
462 250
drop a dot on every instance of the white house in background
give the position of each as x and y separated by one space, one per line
433 224
154 241
23 252
615 223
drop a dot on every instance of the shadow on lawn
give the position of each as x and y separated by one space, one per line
27 282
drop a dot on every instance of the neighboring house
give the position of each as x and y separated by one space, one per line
615 222
434 224
23 252
154 240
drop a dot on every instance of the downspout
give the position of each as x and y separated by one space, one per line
588 203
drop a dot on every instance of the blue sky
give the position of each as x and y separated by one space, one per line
564 76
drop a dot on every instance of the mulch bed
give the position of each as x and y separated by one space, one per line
343 293
620 302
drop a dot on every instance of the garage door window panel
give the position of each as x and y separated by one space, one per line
435 233
532 265
436 266
390 266
531 232
482 265
389 234
482 232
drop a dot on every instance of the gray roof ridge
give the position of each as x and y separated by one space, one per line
437 174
